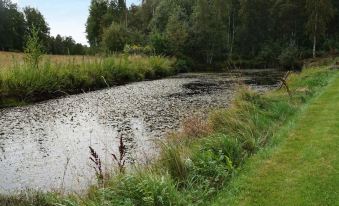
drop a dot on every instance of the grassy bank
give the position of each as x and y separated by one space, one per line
303 168
21 83
200 161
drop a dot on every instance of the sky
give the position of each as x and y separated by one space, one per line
64 17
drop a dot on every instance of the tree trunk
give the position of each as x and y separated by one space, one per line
314 45
315 35
126 15
233 31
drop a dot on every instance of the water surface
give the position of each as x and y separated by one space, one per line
45 146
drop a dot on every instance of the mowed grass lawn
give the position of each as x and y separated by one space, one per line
303 168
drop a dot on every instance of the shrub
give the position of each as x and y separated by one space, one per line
114 38
289 58
138 50
160 43
146 188
33 49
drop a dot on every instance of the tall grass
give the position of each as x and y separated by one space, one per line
24 83
191 170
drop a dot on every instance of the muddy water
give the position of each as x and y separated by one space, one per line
45 146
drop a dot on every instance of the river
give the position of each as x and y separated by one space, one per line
45 146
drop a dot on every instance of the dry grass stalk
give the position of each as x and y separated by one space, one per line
97 164
196 127
121 160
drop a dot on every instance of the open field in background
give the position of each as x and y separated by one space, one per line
10 59
199 162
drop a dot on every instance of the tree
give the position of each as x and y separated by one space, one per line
122 12
33 49
94 28
177 32
35 20
114 38
319 12
256 24
288 21
12 26
209 37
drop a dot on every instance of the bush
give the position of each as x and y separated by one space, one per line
160 43
215 160
114 38
183 65
289 58
33 49
146 188
138 50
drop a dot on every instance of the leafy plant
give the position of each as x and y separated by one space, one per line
33 49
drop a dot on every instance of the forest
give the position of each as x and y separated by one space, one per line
257 33
17 25
200 33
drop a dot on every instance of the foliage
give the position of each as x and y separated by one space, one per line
138 50
12 26
65 45
159 42
115 38
35 21
319 14
25 83
206 32
289 57
211 32
15 25
33 49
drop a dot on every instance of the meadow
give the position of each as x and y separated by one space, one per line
10 59
54 76
200 161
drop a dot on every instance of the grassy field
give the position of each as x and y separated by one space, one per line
22 83
10 59
198 163
303 169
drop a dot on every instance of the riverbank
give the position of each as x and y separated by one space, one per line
301 168
21 83
199 161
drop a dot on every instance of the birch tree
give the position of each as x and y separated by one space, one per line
319 13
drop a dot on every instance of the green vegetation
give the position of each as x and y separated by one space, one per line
256 33
241 154
16 25
303 168
24 83
199 162
218 33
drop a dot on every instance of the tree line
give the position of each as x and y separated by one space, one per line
16 26
207 32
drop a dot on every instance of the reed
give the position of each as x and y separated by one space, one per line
23 83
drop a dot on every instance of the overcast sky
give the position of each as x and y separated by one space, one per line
64 17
